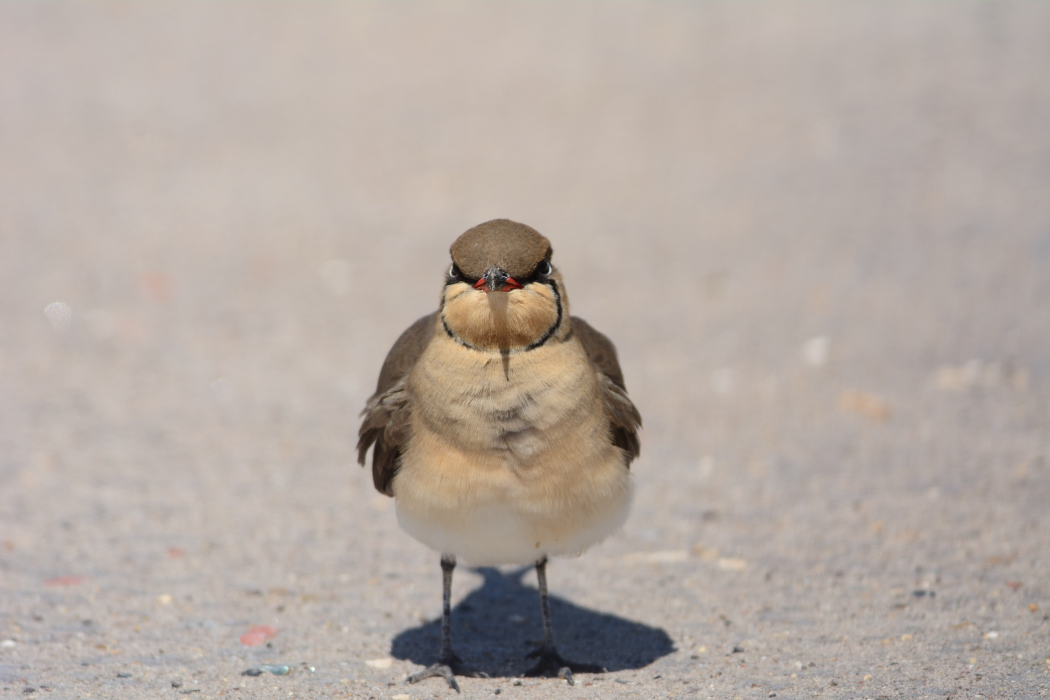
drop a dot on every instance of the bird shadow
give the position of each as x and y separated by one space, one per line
496 625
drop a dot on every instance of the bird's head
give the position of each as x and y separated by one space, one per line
501 291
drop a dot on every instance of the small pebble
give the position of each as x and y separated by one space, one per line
815 351
59 314
865 404
275 669
8 644
176 683
661 557
123 675
64 581
257 634
380 663
516 683
732 564
496 691
28 689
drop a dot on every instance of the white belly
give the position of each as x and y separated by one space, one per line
490 532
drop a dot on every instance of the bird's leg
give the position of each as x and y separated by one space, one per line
448 665
550 661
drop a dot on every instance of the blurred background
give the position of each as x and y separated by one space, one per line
819 234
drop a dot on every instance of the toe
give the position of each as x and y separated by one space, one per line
442 670
450 678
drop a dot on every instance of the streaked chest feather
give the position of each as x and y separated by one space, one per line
519 404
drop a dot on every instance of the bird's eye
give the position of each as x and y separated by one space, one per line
453 271
545 269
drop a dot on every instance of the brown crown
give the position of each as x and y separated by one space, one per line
514 247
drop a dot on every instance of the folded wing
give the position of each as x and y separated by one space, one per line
624 418
387 413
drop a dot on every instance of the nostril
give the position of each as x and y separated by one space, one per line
495 278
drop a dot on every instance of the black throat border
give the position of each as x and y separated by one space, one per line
542 340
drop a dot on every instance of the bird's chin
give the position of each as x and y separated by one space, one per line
500 320
498 302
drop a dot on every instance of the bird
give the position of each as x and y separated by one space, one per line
501 426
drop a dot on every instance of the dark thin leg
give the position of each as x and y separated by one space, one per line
545 603
448 665
550 661
448 565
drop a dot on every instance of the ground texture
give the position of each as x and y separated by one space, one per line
818 233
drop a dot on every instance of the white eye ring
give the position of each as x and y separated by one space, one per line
547 269
452 270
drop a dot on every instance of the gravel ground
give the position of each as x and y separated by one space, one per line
819 234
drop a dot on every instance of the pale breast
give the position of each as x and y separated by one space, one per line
516 406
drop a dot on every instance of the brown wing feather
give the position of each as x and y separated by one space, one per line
624 418
386 414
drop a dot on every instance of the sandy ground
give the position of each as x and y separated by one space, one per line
819 234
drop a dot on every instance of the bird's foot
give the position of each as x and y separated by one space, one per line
551 663
448 667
